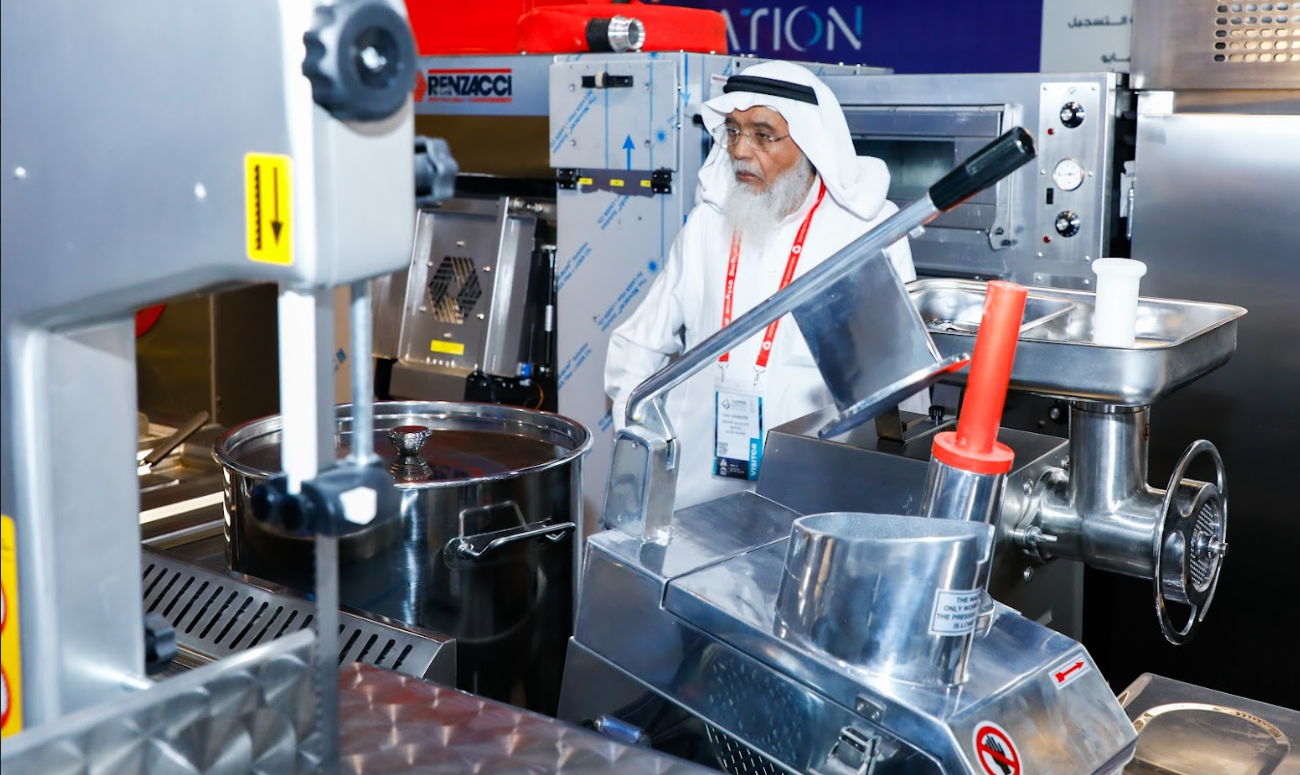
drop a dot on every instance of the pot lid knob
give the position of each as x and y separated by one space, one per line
409 440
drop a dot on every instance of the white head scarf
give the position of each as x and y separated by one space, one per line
857 183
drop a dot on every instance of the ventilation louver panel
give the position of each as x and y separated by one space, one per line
215 616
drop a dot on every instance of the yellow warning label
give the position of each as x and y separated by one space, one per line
645 184
11 664
450 348
269 205
617 182
585 181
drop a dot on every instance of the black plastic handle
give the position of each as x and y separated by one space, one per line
987 166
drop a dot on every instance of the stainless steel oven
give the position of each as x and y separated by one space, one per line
1044 224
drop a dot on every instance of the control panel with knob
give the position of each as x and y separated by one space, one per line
1072 114
1067 223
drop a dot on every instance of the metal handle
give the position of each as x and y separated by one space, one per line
165 447
989 165
1196 536
465 549
803 290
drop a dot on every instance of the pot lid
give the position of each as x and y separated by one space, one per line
428 442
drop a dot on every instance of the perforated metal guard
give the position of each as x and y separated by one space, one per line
1256 32
216 615
1208 522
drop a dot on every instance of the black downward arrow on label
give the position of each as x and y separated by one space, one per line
257 205
276 225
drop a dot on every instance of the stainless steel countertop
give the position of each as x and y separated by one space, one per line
392 723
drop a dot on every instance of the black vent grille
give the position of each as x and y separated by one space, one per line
216 616
454 290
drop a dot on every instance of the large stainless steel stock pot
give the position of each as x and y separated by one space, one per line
486 546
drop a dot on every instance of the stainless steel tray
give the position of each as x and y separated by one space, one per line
1177 341
1185 728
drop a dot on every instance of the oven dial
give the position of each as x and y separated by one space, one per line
1067 223
1068 174
1072 114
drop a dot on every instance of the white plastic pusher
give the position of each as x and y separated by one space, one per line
1114 320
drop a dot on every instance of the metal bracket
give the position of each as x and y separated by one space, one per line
854 753
661 181
1127 195
606 81
567 178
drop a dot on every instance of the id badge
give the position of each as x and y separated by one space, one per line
737 432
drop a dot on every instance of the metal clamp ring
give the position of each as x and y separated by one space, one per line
1203 531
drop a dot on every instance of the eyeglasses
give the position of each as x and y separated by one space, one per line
762 141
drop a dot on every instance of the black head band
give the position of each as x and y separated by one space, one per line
770 87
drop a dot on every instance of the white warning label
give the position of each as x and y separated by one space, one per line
955 611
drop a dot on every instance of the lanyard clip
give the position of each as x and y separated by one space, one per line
758 373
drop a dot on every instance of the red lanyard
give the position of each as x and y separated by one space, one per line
733 262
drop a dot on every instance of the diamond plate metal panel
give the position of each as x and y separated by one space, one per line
252 713
396 724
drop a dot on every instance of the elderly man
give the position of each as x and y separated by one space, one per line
781 191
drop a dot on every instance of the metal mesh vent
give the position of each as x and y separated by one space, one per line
216 615
1256 32
758 706
454 290
737 758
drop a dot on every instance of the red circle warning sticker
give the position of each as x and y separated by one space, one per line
995 750
4 698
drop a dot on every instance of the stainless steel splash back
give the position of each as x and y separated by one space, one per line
1214 222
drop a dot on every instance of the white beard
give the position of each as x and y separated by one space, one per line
756 214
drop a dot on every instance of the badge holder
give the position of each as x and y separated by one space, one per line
738 427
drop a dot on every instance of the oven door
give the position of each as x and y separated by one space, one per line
921 144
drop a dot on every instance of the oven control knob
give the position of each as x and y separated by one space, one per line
1067 223
1072 114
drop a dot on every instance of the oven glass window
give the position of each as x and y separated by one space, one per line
914 164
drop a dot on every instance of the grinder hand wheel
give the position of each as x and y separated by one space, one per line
1191 539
